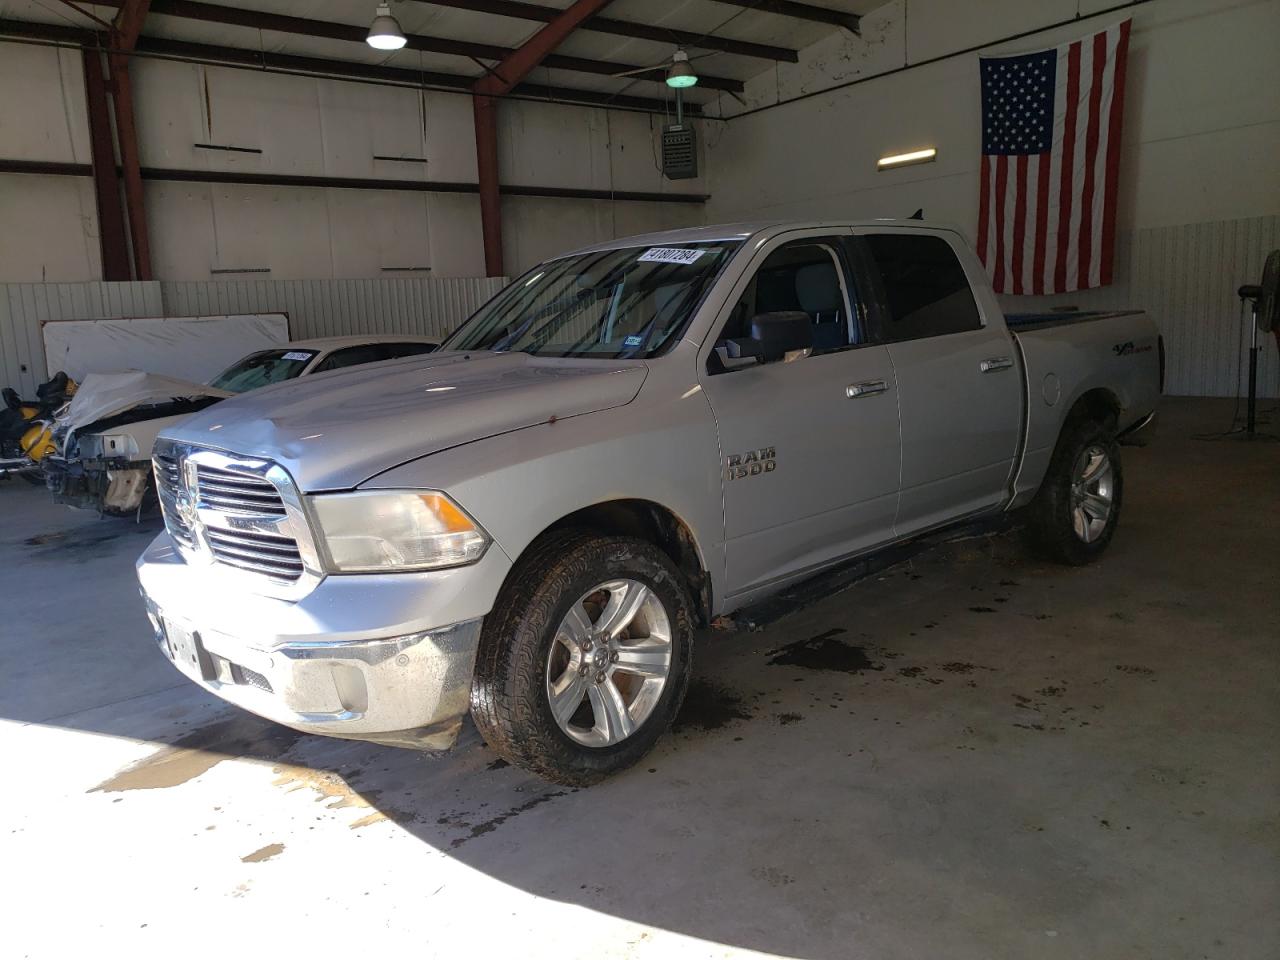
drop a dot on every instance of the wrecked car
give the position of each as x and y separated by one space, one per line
103 439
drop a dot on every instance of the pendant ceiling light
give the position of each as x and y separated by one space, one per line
385 32
681 74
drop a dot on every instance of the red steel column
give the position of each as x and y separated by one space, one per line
127 138
486 121
128 25
112 239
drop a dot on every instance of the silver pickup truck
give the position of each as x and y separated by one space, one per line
626 442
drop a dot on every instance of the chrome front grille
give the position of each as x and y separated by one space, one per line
240 513
168 473
261 552
232 492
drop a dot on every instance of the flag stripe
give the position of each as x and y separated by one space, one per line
1019 223
984 210
1002 178
1113 153
1049 267
1099 162
1042 224
1068 152
1093 122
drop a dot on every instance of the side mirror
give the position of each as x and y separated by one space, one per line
776 334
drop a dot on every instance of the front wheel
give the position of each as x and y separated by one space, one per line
585 659
1074 516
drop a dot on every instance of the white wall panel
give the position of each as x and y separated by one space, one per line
42 104
48 228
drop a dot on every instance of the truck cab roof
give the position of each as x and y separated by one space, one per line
745 230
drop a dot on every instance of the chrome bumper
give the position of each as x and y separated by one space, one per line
367 667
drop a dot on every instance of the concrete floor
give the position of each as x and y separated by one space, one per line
970 755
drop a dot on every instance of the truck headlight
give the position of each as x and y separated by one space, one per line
379 532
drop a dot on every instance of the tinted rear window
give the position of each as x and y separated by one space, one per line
925 292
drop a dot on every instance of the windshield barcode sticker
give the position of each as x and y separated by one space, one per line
670 255
296 356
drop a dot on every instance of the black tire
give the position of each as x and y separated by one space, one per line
509 701
1050 528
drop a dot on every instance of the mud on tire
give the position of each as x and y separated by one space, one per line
510 695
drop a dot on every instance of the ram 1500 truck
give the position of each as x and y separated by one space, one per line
624 443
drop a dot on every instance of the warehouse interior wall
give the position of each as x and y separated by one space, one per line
312 127
1199 188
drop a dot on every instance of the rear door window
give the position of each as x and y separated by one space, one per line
923 290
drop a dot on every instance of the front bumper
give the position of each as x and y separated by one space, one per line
386 658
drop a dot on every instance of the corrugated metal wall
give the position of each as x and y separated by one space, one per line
316 308
1186 277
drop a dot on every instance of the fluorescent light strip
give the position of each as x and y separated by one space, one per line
902 159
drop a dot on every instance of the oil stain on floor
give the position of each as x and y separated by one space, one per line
709 706
824 652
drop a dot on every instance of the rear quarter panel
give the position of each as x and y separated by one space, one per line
1118 353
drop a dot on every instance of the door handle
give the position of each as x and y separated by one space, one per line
868 388
994 364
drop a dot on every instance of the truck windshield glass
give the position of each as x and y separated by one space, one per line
610 304
263 368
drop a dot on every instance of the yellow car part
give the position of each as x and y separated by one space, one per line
37 443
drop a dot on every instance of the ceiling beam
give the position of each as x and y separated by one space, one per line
538 49
355 33
801 11
58 169
518 10
240 58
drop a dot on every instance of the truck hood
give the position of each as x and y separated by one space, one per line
333 431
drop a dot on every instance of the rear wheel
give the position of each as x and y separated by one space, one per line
1074 516
584 661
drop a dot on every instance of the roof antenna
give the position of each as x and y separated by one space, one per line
918 215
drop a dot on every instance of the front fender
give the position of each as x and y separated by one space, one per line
519 484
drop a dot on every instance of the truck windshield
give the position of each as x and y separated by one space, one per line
609 304
262 368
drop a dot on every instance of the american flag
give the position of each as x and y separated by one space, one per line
1050 162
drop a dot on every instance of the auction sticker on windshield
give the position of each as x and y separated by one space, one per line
670 255
297 355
